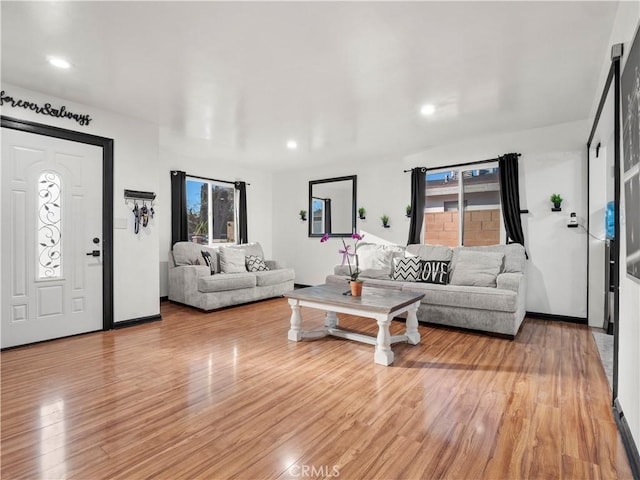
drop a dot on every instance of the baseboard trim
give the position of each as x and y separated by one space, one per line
562 318
164 299
627 439
137 321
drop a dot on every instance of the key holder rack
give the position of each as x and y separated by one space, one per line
142 214
139 195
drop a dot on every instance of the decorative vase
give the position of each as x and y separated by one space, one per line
356 288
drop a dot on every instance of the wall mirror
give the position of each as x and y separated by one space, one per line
332 206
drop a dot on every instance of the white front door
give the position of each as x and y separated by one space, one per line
51 191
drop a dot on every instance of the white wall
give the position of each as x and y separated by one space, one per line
259 197
135 159
382 188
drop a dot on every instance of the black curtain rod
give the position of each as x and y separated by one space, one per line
211 179
461 164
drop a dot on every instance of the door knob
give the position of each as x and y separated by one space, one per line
94 253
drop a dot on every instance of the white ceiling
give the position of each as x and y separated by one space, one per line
235 81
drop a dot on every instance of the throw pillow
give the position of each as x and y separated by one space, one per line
232 260
434 271
255 264
374 257
475 268
406 269
208 261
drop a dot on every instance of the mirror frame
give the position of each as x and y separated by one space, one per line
354 186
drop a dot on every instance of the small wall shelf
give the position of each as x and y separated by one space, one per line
556 209
139 195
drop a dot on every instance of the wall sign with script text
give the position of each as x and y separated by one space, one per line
46 109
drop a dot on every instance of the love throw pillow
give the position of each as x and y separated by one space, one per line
434 271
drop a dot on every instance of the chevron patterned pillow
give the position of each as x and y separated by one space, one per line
255 264
406 269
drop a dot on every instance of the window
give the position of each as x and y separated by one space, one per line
49 226
211 212
478 191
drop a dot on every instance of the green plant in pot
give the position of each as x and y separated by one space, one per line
303 215
385 221
362 213
408 210
556 199
200 232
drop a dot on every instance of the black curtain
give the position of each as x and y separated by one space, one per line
242 212
179 229
510 197
418 176
327 215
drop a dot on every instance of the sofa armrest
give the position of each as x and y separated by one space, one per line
510 281
183 279
275 264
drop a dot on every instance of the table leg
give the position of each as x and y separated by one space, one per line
331 320
383 354
413 336
295 332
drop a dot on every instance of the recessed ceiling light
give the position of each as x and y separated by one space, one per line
292 144
58 62
427 109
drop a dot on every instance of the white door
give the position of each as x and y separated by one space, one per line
51 191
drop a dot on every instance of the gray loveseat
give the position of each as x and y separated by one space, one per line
192 282
498 308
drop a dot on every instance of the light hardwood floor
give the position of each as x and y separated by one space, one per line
226 395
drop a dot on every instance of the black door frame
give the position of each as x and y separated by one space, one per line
107 197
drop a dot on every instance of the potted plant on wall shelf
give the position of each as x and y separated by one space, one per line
408 210
385 221
362 213
303 215
556 199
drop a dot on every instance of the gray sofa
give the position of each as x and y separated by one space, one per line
498 306
192 282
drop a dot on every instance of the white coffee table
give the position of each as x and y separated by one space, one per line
382 305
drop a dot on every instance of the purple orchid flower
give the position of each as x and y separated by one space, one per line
347 253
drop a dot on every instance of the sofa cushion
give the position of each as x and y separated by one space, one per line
274 277
374 273
188 253
482 298
476 268
253 248
514 256
232 260
406 269
374 257
226 281
429 252
255 264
